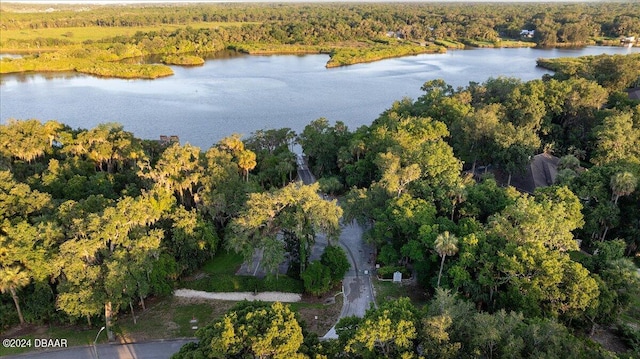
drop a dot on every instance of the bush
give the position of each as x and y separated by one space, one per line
336 260
184 60
240 283
317 278
387 272
388 255
330 185
630 336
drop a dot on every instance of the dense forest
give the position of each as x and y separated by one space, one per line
95 222
94 40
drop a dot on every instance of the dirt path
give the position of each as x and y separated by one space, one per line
238 296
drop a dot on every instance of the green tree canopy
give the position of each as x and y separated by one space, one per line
295 212
250 329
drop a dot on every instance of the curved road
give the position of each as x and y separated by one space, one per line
357 289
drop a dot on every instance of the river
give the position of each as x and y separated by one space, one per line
242 94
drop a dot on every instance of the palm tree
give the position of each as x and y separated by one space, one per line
12 278
622 184
246 162
446 244
457 194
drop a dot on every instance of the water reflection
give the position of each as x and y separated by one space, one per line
240 93
10 56
157 59
40 77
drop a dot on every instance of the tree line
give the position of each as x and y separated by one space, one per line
93 222
319 23
447 327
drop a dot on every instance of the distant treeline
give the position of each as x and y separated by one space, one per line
321 23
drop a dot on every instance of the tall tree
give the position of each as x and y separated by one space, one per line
11 280
24 245
387 332
251 329
108 146
295 212
246 162
446 244
98 266
29 139
179 171
622 184
246 159
223 191
394 177
321 142
617 140
538 233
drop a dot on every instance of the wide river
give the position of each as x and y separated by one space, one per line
244 93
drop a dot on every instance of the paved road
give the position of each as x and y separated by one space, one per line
303 171
357 288
254 268
151 350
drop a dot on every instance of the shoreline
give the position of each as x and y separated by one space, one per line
166 70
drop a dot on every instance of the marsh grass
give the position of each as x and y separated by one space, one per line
11 39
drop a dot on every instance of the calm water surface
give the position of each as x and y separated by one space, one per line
245 93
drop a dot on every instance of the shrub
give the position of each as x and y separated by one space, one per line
330 185
336 260
317 278
387 272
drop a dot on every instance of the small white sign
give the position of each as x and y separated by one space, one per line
397 277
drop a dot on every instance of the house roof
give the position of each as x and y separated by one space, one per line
634 94
541 172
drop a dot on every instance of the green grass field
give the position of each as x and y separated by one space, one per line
95 33
224 262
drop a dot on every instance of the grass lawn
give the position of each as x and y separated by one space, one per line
224 262
169 318
450 44
387 291
218 275
311 308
